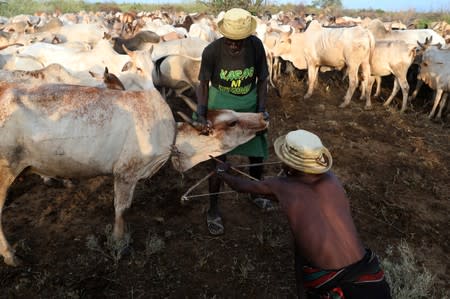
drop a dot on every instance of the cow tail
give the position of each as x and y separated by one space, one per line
158 65
371 44
412 53
9 45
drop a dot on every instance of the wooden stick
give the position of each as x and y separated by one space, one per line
235 169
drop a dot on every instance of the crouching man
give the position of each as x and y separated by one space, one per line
330 259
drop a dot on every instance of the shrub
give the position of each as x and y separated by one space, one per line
406 279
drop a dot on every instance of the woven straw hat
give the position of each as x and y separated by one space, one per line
304 151
237 23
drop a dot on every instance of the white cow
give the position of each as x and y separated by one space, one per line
330 47
178 64
435 72
73 60
53 73
73 131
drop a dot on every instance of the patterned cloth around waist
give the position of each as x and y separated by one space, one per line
327 283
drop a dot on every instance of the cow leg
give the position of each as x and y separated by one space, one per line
370 84
378 90
365 67
394 92
442 105
123 195
353 82
6 179
312 77
437 99
405 90
416 90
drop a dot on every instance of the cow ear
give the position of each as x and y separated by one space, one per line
127 66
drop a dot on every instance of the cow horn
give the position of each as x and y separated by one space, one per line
190 103
185 117
130 53
189 120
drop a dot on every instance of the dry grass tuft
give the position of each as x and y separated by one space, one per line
112 249
406 279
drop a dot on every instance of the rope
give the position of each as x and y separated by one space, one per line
185 197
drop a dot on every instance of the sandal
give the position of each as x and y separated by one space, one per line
263 203
215 225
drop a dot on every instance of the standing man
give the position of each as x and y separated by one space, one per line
233 75
330 260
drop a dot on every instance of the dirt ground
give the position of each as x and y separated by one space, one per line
395 169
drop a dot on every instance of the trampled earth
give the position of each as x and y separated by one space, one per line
395 169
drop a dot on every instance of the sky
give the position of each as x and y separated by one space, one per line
386 5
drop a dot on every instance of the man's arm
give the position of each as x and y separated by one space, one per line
261 89
202 98
243 185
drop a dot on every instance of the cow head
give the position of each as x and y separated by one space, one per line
229 130
142 65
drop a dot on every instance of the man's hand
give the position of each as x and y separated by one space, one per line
266 116
206 126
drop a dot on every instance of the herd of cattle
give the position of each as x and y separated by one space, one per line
84 44
78 96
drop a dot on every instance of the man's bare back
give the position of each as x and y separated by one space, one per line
316 206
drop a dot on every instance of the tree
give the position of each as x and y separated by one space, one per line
253 6
327 3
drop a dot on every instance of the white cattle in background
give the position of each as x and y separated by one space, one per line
53 73
203 31
73 60
410 36
178 64
330 47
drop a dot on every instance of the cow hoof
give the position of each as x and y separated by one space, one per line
343 105
307 96
12 261
367 107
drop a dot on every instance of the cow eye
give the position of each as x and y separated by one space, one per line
232 124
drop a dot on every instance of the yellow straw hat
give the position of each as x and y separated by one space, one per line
304 151
237 23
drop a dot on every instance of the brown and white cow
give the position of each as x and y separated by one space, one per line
70 131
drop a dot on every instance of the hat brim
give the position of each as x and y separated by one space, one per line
237 36
316 169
